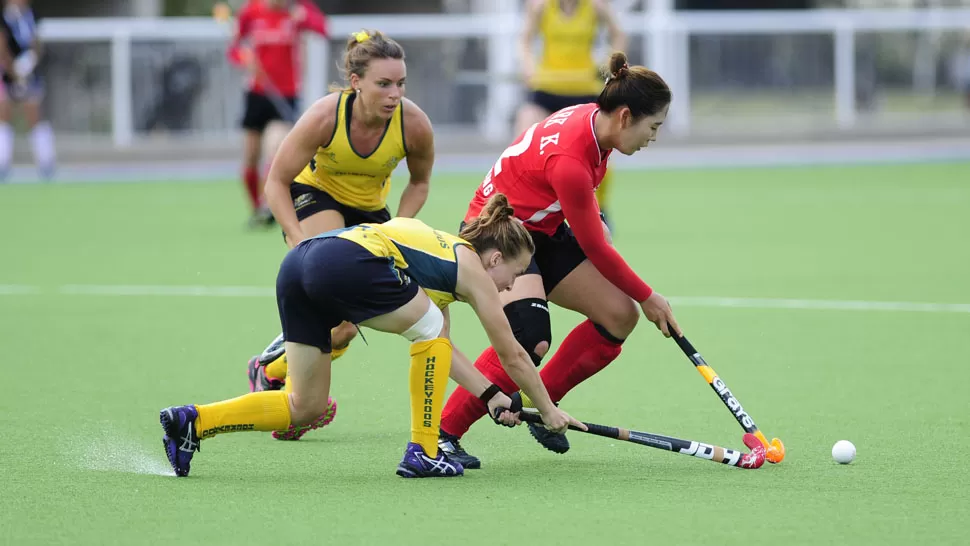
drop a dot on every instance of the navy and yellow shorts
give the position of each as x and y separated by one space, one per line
325 281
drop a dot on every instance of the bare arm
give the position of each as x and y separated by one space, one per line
462 370
477 288
465 374
419 139
530 29
608 18
311 131
237 53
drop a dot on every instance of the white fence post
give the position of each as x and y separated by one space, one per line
680 82
845 104
317 70
122 125
667 53
501 94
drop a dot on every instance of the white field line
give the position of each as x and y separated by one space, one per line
678 301
826 305
18 290
173 290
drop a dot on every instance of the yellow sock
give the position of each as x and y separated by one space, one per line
267 410
277 368
337 353
603 191
430 365
526 401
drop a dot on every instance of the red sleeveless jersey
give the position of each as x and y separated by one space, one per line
550 175
521 173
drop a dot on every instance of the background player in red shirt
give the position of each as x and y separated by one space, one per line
267 45
550 175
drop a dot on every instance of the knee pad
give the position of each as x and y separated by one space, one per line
427 327
531 325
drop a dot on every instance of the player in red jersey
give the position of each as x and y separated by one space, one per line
267 45
550 175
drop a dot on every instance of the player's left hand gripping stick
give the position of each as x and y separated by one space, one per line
516 406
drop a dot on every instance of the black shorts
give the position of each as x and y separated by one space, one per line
554 103
260 111
308 201
325 281
555 257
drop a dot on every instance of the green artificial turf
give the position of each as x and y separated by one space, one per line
85 375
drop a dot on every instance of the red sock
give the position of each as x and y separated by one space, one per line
463 408
583 353
251 180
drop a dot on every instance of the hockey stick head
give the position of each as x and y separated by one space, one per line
757 456
774 450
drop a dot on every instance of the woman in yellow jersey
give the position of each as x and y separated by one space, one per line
334 168
566 73
395 277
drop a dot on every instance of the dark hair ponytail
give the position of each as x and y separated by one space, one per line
641 90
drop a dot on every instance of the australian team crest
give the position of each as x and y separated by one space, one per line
303 200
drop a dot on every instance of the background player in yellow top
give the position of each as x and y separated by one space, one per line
380 276
334 168
566 73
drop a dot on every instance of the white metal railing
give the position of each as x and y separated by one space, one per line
664 47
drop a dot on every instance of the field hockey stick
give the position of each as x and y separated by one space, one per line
709 452
775 450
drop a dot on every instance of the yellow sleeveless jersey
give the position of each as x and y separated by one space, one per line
355 180
428 256
566 66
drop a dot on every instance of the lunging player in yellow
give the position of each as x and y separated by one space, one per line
334 170
396 277
566 73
